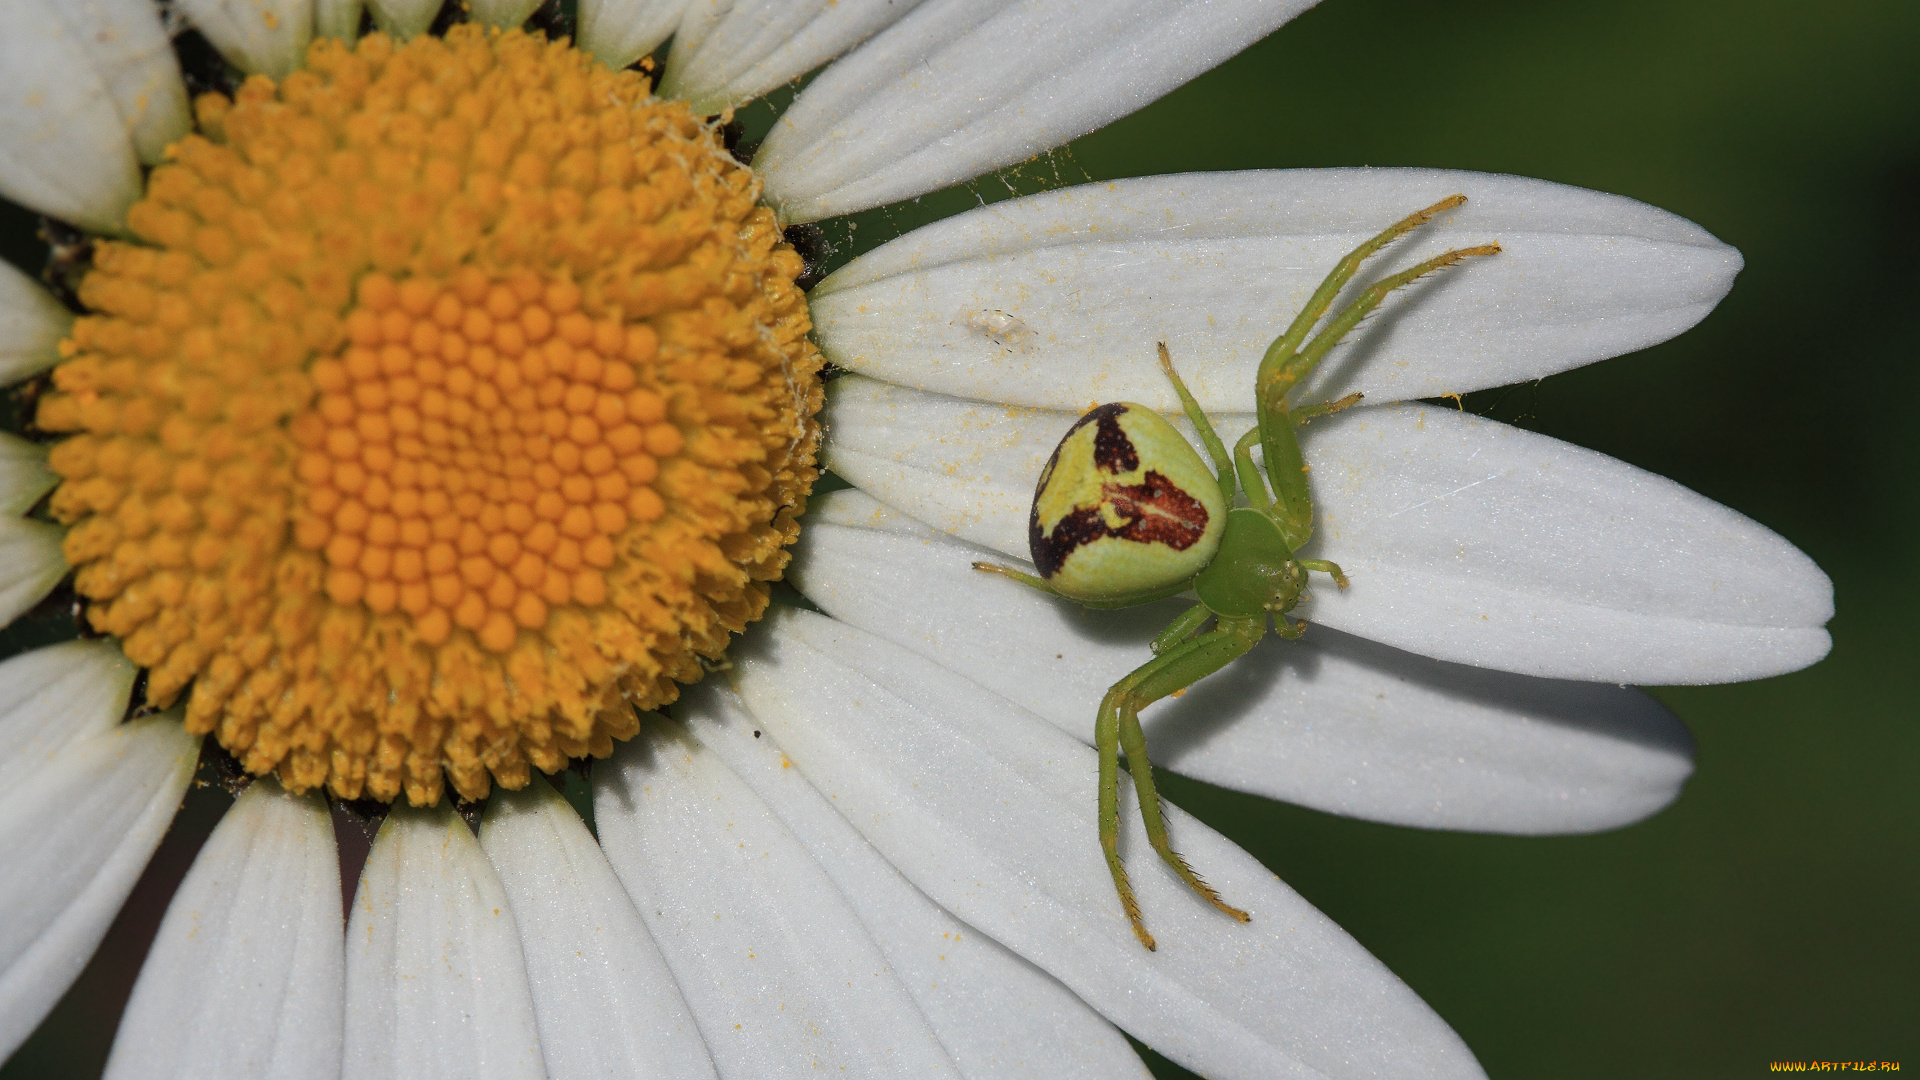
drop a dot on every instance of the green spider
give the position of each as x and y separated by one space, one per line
1126 513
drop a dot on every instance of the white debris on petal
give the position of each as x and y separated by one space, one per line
1216 265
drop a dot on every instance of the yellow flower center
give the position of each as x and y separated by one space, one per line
476 452
453 402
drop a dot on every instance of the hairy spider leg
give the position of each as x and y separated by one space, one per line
1040 584
1031 581
1305 413
1222 466
1289 342
1118 724
1256 487
1349 317
1327 568
1279 442
1287 362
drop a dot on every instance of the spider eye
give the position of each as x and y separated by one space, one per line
1125 507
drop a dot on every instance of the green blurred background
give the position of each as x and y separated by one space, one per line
1771 913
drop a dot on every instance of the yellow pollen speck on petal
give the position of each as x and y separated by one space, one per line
454 401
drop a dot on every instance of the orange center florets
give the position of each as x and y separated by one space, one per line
451 404
476 450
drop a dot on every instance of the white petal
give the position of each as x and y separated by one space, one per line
962 87
65 150
403 18
606 1003
1472 541
965 467
1056 300
1466 540
618 32
24 475
434 969
260 37
54 697
244 980
30 564
990 811
505 14
128 47
74 837
998 1015
32 322
727 52
337 19
781 976
1330 721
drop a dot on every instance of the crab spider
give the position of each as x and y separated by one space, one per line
1125 513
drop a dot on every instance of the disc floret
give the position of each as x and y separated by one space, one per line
448 404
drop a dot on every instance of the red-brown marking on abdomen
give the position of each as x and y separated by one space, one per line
1155 511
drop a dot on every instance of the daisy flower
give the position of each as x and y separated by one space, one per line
441 402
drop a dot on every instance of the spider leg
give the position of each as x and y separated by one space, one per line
1118 726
